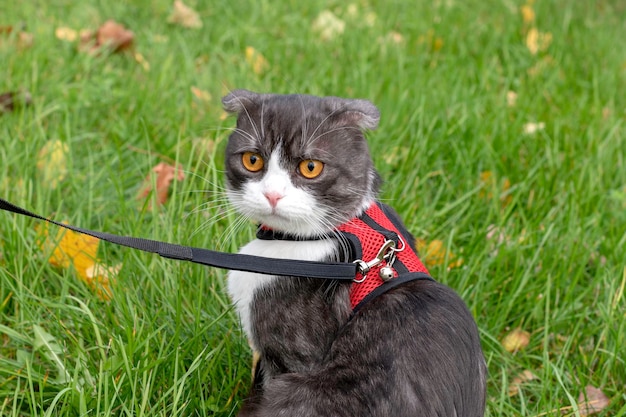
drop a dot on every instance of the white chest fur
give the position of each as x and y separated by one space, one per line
243 285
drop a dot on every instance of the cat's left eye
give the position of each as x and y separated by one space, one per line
311 168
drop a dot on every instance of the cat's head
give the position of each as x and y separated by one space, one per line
300 164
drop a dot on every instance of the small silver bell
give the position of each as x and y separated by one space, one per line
385 273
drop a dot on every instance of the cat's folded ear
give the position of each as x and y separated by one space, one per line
361 113
238 100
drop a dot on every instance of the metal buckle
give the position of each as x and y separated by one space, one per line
386 252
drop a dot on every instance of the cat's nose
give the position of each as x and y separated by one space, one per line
273 197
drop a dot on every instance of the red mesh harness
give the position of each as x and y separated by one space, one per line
365 236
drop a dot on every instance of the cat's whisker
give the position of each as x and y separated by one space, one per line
313 140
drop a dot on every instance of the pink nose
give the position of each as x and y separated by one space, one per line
273 197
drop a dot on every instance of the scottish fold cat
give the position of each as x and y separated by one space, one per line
299 166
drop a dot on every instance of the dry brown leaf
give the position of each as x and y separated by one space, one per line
21 39
519 379
511 98
185 16
111 35
165 174
10 100
516 340
592 401
115 36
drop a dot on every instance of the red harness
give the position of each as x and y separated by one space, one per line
368 233
378 238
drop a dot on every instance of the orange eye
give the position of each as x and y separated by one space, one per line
253 162
311 168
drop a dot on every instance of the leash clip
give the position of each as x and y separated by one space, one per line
387 251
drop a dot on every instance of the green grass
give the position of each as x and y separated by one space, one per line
167 342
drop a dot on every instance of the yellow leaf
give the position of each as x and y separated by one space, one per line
79 251
142 61
531 127
69 248
51 162
185 16
488 183
66 34
256 60
433 42
528 14
201 94
100 278
328 26
435 254
537 41
516 340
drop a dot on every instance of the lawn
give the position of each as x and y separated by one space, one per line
502 142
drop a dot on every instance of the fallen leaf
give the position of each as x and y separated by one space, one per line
435 253
201 94
516 340
52 162
532 128
520 379
528 14
391 38
185 16
111 36
541 66
25 40
592 401
165 174
21 38
328 26
100 278
256 60
142 61
10 100
488 184
114 36
537 41
433 42
68 248
511 98
370 19
66 34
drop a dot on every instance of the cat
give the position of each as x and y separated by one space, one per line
299 165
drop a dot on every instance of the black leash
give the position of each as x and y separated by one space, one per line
235 261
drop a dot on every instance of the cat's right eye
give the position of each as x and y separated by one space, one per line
253 162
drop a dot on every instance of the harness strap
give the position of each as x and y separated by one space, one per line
239 262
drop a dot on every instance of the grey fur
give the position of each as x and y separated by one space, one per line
414 351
